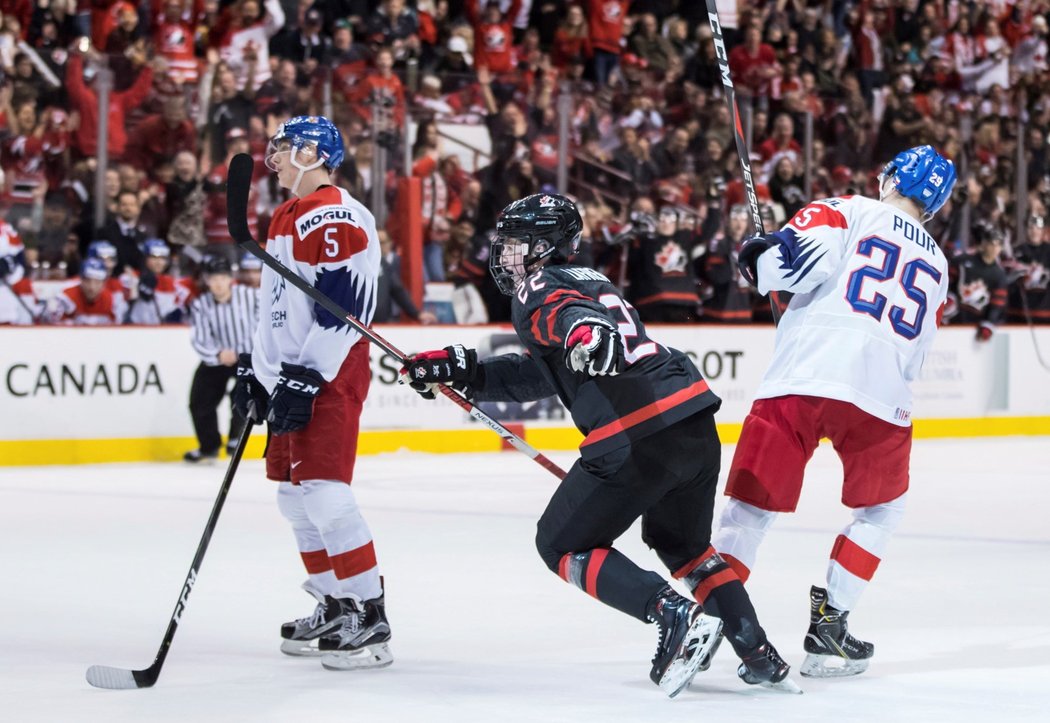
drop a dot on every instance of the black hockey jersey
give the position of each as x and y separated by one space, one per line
659 387
980 288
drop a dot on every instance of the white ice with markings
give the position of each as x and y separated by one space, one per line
94 557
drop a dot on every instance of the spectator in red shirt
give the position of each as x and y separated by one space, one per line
753 64
782 141
161 136
572 39
606 19
493 34
84 100
381 83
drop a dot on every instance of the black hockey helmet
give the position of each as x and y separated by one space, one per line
216 265
544 226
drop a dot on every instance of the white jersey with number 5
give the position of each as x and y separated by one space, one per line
329 240
868 285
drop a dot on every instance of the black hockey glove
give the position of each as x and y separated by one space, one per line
147 285
593 346
247 390
455 365
747 259
292 401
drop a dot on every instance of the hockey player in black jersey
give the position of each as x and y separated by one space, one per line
650 449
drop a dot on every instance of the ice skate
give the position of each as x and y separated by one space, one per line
765 667
301 636
687 638
361 640
831 652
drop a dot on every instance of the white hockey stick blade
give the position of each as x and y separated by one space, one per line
103 676
703 635
832 666
375 656
300 648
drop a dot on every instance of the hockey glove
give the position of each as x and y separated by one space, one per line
593 347
147 285
747 259
247 390
985 331
292 401
455 365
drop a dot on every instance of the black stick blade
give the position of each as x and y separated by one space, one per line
238 186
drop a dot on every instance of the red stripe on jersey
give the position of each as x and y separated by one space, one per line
566 295
354 562
817 214
598 556
854 558
666 296
563 567
709 584
645 413
316 561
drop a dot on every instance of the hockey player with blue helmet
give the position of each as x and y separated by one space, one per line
312 142
869 286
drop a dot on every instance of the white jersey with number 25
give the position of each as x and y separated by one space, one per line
868 285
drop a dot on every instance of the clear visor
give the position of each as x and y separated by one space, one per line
304 157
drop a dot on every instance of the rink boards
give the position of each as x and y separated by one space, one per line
80 395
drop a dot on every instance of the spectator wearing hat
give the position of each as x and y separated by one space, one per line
224 319
217 234
306 44
158 299
89 302
158 138
83 98
123 43
456 65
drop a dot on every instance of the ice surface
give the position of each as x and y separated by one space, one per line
93 559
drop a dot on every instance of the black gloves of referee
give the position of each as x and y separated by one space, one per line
247 390
455 365
292 401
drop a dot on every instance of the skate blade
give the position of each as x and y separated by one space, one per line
787 685
375 656
703 636
831 666
706 662
300 648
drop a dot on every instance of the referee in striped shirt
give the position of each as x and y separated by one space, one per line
224 320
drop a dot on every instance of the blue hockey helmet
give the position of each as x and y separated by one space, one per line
94 268
101 250
922 175
304 130
156 247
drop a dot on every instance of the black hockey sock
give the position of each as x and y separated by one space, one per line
607 575
716 586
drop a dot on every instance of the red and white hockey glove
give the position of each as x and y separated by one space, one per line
455 365
593 347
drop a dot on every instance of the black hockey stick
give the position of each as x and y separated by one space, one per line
778 300
237 188
103 676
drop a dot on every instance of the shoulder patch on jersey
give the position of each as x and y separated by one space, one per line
817 214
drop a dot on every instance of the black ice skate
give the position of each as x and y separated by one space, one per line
687 637
301 636
765 667
361 640
831 652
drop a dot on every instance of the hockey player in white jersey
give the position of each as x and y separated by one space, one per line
869 284
309 371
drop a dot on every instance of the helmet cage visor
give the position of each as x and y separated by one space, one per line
514 255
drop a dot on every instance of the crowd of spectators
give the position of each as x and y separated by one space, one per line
653 164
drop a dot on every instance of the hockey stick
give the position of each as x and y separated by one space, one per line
778 300
103 676
237 187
